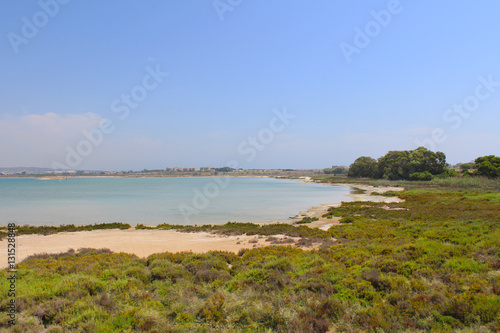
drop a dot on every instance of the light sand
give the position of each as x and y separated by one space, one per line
139 242
146 242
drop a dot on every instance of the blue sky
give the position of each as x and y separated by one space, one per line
231 66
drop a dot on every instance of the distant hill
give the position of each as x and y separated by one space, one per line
36 170
26 169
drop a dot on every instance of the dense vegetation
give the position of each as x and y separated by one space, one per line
335 171
488 166
445 183
418 164
431 263
363 166
48 230
232 228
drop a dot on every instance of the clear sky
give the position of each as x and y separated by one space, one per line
355 78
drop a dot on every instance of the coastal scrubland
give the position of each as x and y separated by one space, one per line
430 263
49 230
447 183
232 229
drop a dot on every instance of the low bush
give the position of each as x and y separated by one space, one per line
421 176
307 219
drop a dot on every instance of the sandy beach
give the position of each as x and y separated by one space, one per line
368 193
146 242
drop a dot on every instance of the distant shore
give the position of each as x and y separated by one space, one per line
66 177
295 174
146 242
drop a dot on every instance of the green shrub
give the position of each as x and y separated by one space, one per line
347 219
421 176
307 220
139 273
213 309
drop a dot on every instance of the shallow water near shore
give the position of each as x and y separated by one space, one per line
152 201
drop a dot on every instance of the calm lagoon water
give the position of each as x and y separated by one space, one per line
151 201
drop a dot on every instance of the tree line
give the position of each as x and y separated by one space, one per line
418 164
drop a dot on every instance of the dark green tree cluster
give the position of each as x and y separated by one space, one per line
418 164
336 171
488 166
364 166
467 166
224 169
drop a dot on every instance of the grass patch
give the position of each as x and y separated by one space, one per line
475 183
250 229
307 220
49 230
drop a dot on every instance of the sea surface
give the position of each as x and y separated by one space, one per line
152 201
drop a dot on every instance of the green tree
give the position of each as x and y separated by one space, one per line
225 169
394 165
401 164
336 171
363 166
339 171
423 159
488 166
467 166
426 175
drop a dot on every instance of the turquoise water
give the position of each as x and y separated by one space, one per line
151 201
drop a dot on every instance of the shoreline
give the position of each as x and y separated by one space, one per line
320 210
290 215
146 242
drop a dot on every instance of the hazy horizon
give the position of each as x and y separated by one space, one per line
263 85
